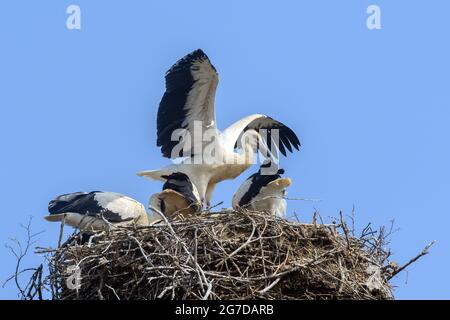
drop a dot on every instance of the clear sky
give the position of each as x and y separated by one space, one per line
371 107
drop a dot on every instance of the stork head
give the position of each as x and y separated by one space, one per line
270 167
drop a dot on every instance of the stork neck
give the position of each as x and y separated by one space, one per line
248 154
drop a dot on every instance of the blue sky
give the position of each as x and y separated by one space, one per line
371 107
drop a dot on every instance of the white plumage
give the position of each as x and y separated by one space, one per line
187 128
96 210
263 192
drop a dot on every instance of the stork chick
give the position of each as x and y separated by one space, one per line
263 192
179 197
96 210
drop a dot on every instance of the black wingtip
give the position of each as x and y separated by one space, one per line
296 143
296 146
195 55
187 60
198 52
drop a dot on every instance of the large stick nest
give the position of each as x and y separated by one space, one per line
232 255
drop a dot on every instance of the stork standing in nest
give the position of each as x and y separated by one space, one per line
179 197
187 130
263 192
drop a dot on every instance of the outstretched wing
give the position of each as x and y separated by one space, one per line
283 138
190 92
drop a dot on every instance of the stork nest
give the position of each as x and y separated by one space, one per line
228 255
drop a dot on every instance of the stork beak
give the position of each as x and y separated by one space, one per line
142 173
281 183
54 217
285 182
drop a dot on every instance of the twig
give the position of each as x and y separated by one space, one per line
421 254
270 286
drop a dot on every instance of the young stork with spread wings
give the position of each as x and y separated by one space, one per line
186 129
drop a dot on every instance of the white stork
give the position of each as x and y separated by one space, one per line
97 210
263 192
209 155
178 198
